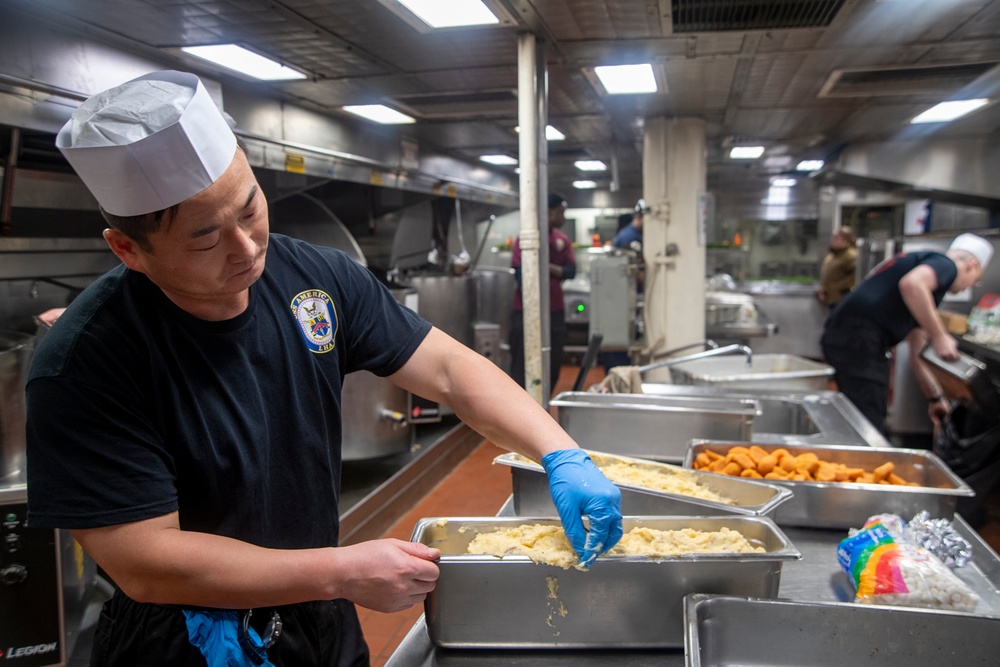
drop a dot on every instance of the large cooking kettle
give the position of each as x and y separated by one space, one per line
15 358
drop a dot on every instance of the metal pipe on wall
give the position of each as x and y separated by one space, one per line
7 201
534 226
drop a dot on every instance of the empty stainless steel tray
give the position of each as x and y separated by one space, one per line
782 633
652 427
964 379
620 602
850 504
531 495
767 371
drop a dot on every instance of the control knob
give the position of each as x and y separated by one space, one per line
14 573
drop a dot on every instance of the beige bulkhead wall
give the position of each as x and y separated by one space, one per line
674 178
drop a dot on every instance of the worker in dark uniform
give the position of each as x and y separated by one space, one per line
837 273
184 413
629 237
899 300
562 266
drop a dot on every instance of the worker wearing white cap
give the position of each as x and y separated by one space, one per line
184 414
898 300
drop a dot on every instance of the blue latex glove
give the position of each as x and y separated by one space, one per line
216 635
578 488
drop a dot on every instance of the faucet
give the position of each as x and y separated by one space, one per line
747 351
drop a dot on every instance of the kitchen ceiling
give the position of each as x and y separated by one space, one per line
801 77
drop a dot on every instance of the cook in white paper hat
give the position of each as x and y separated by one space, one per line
148 144
976 246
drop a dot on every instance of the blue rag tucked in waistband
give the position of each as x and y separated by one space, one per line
216 635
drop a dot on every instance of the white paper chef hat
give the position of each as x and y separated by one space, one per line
148 144
976 246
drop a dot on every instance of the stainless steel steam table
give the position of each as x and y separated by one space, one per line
816 577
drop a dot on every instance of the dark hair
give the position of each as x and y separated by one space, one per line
139 227
847 234
556 200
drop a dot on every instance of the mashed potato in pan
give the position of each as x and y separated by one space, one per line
652 476
624 472
548 544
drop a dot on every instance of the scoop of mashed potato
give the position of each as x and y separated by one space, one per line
540 543
548 543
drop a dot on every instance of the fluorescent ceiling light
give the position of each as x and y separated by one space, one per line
551 133
498 159
451 13
746 152
622 79
584 185
244 61
590 165
379 113
946 111
782 182
776 196
809 165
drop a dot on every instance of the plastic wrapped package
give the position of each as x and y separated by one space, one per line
887 569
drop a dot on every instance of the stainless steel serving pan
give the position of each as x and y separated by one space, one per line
776 371
620 602
782 633
531 495
652 427
964 379
849 504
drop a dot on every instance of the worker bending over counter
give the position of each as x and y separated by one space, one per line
898 300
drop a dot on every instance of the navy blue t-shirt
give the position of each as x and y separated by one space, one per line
137 409
626 237
878 300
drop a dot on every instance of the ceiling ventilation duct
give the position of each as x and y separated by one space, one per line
722 15
476 104
933 80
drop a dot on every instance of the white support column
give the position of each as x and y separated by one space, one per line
674 173
533 160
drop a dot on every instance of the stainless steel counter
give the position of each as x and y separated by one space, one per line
793 417
741 332
816 577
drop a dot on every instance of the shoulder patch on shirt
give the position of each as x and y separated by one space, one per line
317 317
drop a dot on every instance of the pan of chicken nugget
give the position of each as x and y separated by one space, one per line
838 486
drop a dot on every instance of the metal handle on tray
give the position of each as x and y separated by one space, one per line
714 352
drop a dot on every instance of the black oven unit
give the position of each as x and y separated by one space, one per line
46 582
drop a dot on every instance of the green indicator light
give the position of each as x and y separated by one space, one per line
579 308
11 517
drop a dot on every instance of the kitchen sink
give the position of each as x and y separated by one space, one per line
813 417
785 417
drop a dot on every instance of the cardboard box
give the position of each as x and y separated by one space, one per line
953 322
